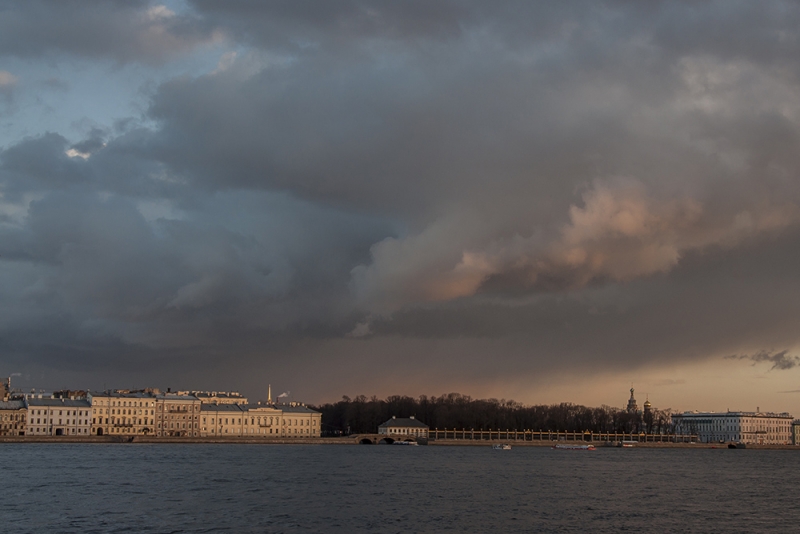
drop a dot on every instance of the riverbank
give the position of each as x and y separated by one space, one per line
352 440
150 439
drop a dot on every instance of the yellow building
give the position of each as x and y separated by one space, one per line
265 420
122 413
12 417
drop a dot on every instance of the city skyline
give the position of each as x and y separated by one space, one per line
545 203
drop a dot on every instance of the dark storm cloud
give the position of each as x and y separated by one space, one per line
480 142
136 30
577 182
781 360
298 24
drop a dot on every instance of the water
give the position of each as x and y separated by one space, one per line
327 488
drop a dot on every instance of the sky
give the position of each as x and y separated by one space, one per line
540 201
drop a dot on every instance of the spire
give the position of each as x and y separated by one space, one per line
269 393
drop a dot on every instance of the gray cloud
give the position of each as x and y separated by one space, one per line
136 30
604 185
779 359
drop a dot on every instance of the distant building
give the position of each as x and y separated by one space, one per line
266 420
177 415
404 427
48 416
5 389
12 417
217 397
299 421
632 406
123 413
755 428
796 432
221 420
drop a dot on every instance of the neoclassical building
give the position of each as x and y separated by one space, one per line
177 415
122 413
264 420
48 416
404 427
12 417
756 428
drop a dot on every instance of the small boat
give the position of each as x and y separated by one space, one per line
501 447
573 447
411 443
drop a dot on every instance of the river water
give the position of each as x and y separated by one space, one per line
383 488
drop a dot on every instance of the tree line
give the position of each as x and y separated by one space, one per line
453 410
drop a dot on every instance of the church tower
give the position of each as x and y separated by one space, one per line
632 406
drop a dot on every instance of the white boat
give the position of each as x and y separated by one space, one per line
573 447
501 447
412 443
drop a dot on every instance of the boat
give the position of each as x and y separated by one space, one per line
501 447
573 447
412 443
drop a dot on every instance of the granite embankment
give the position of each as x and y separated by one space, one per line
351 441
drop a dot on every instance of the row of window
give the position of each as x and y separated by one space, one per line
286 422
60 412
284 432
44 420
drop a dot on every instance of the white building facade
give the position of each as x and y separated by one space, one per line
404 427
48 416
755 428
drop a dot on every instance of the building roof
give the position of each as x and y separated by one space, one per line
782 415
121 395
403 422
176 397
218 395
12 405
221 408
67 403
288 408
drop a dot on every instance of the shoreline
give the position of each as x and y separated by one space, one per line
354 441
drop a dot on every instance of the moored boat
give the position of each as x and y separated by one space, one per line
501 447
573 447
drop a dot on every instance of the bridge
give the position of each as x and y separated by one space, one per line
373 439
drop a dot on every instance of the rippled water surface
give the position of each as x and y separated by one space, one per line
339 488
